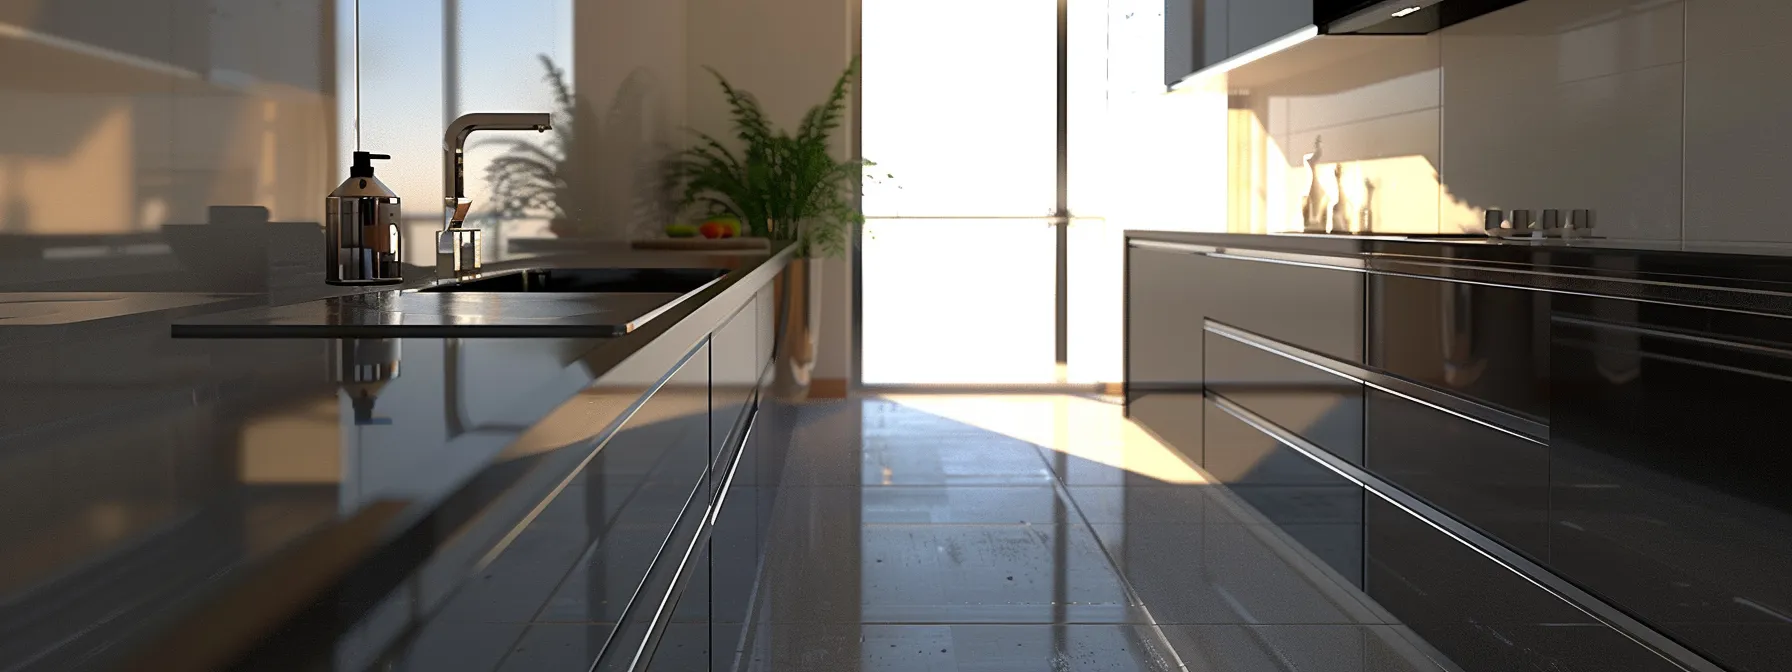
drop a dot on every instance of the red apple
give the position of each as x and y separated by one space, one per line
713 230
730 223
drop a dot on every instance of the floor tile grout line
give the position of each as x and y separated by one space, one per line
1059 484
1061 490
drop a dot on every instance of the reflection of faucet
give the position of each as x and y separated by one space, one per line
1462 366
457 248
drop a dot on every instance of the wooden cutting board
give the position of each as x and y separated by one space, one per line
703 244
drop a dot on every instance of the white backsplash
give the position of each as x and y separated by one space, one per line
1737 104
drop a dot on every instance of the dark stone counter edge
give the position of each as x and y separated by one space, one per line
405 331
286 608
1746 282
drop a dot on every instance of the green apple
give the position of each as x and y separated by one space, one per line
681 231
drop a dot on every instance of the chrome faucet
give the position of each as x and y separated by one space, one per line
458 248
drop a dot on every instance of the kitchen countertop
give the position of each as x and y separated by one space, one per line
421 312
413 314
145 477
1717 275
1462 245
34 309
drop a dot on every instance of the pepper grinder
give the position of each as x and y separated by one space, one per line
1525 225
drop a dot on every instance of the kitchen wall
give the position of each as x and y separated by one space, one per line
1644 111
127 121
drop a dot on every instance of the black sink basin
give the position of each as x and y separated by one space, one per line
605 280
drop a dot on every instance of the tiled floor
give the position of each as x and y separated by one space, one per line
945 534
997 533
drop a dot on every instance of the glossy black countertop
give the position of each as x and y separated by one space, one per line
1737 277
145 480
452 309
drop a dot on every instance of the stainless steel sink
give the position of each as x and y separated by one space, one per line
590 280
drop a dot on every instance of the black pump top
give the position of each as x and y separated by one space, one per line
363 164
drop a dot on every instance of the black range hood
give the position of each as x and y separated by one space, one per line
1398 17
1245 39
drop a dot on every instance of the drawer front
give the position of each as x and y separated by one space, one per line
733 379
1489 344
1163 344
1317 309
1309 502
1319 406
1488 478
1669 462
1480 615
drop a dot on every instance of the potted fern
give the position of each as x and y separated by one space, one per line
786 187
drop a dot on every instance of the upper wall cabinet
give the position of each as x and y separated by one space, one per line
1252 23
1194 36
1200 33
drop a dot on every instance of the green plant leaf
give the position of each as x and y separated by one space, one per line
782 186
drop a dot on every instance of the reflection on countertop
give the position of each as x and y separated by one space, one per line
19 309
138 471
552 300
1481 240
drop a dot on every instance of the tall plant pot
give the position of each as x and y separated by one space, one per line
798 308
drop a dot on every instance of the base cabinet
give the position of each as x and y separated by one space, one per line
1486 344
1163 344
1450 601
684 644
1667 460
1318 405
1315 506
1479 615
1495 481
1619 447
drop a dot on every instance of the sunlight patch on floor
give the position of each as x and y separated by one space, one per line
1088 428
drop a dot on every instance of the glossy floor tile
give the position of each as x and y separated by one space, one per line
958 534
557 646
959 648
1207 574
1278 648
1037 533
449 645
1145 504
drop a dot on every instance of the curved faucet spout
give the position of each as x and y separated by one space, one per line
454 143
458 249
458 129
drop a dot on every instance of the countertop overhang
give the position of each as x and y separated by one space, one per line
1739 278
418 312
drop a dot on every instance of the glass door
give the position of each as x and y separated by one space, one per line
961 252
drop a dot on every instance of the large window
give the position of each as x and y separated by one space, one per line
988 257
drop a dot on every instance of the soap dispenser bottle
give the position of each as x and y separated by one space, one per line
361 233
